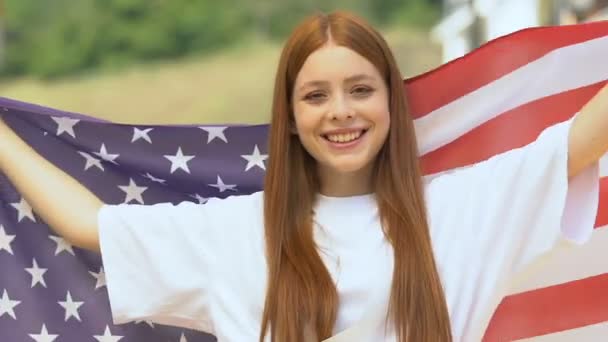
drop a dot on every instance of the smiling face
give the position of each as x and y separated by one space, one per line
341 110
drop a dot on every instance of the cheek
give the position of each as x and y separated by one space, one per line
384 118
387 122
383 122
306 120
379 111
305 127
382 129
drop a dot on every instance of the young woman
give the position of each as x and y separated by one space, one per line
345 224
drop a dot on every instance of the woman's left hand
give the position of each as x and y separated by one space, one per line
588 140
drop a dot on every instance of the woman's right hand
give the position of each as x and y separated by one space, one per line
68 207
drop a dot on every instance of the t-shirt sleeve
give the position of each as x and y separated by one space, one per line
516 206
157 260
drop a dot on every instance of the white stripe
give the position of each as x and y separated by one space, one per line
567 262
604 166
590 333
563 69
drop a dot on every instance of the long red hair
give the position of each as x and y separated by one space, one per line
301 300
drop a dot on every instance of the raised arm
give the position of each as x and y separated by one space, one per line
62 202
588 139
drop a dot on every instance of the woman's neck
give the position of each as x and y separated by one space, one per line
345 184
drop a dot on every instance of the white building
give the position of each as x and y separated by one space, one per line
469 23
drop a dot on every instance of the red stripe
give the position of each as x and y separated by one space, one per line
541 311
493 60
509 130
602 211
557 308
498 136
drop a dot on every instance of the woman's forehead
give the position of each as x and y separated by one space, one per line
335 63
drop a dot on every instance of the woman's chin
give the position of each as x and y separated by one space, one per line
349 167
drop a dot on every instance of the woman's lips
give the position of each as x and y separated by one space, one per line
348 144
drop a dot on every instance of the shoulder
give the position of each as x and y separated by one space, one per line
231 208
251 202
236 221
439 188
240 210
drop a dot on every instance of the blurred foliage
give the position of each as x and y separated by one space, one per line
54 38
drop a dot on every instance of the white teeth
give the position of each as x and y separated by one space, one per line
346 137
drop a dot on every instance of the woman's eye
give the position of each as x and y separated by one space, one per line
362 91
316 96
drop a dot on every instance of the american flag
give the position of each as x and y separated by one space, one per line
499 97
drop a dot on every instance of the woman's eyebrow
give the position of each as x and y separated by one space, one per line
315 83
359 77
350 79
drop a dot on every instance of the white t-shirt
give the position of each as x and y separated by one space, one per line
203 266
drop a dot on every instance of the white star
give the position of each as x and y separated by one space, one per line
99 277
65 125
215 132
133 192
7 305
62 245
91 161
37 274
44 336
141 134
154 179
199 198
179 161
183 338
221 186
255 159
71 307
23 210
107 336
103 154
5 240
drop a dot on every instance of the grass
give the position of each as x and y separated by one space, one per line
231 86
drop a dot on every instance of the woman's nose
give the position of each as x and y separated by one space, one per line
341 110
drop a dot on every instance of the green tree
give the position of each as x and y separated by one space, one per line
57 37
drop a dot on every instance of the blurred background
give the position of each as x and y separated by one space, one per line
205 61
